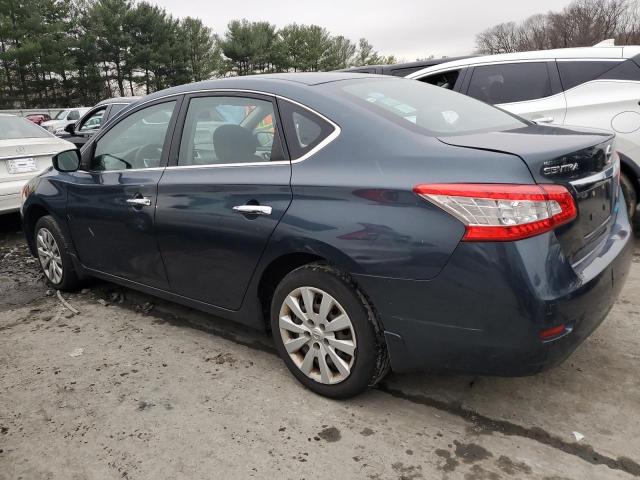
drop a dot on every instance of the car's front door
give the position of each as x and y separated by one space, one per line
224 196
529 89
111 204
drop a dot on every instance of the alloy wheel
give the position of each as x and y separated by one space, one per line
318 335
49 256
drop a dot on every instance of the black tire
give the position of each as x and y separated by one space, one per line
630 195
69 280
370 361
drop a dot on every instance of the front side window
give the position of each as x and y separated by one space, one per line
92 122
510 82
224 130
426 109
73 115
446 79
136 142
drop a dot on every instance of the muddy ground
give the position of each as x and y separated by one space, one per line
137 388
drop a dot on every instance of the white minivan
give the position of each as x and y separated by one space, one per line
592 87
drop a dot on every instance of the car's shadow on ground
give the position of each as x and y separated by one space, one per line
10 224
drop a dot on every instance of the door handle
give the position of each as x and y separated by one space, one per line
253 209
543 120
139 202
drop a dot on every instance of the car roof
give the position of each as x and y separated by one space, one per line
271 83
118 100
597 52
407 65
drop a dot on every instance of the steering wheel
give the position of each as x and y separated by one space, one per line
149 156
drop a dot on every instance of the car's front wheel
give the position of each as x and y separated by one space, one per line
53 256
326 332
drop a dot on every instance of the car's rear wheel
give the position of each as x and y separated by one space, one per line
53 256
630 195
326 332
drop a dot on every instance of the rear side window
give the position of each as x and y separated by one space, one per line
627 70
574 73
443 79
303 129
227 130
510 82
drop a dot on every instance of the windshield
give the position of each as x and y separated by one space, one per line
60 115
425 108
15 127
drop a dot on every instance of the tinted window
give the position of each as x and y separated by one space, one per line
574 73
510 82
627 70
135 142
219 130
444 79
73 115
15 127
426 109
403 72
303 129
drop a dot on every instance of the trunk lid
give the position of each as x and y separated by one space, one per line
21 159
582 160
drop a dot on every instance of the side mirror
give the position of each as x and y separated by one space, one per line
70 128
67 161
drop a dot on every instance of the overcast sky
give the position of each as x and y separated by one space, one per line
409 29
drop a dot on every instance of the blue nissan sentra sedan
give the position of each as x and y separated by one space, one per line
368 222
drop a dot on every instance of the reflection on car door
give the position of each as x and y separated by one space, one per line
220 202
529 89
111 204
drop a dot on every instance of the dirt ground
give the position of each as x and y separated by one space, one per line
136 388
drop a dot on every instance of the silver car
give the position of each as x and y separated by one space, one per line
25 150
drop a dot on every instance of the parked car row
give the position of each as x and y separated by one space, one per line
81 131
26 150
368 222
64 118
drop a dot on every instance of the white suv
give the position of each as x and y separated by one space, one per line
591 87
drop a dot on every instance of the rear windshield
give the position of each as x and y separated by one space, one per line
425 108
16 127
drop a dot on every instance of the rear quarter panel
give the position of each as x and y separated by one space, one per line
353 202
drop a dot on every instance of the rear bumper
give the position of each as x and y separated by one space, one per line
10 195
483 313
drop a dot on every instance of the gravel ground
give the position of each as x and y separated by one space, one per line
137 388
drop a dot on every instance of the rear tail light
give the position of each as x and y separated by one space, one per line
502 212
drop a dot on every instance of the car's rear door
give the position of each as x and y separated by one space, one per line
530 89
222 196
112 201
